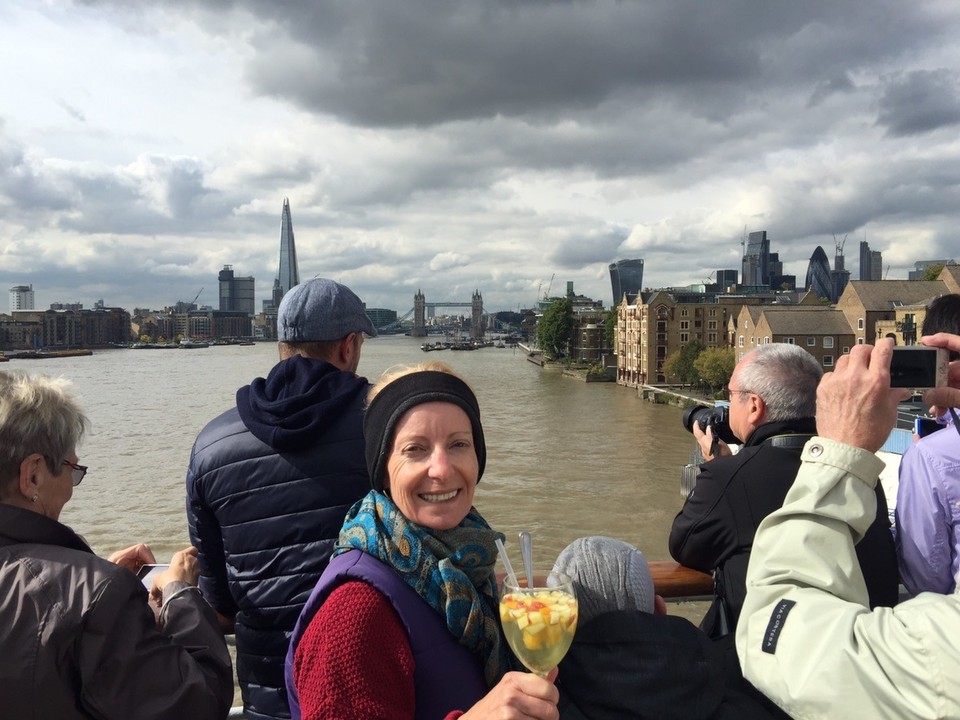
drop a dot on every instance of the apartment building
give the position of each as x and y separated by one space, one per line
821 331
662 322
868 302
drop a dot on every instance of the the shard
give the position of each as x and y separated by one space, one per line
289 274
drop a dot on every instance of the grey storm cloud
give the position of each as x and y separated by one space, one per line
920 101
430 62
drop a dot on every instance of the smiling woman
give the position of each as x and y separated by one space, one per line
413 555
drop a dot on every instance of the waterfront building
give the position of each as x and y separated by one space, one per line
867 302
588 338
660 323
17 333
52 329
21 298
626 278
288 274
236 293
871 262
820 330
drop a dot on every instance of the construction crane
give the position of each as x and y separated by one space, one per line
546 295
194 301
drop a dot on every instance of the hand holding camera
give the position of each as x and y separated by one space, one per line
710 426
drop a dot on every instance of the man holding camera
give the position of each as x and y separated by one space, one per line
773 400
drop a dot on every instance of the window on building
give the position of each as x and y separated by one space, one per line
684 337
711 337
845 351
828 360
859 323
684 324
683 312
740 343
713 312
712 325
859 341
811 341
828 342
790 341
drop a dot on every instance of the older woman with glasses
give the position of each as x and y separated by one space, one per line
80 639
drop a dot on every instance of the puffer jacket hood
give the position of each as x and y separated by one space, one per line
283 410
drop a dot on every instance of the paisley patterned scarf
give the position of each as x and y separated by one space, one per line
452 570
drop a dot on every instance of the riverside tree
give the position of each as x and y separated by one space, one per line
554 328
715 366
679 366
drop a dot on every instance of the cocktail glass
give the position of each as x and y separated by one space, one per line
539 622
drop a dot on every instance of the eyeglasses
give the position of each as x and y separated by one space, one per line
741 392
78 471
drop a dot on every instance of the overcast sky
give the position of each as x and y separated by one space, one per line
453 145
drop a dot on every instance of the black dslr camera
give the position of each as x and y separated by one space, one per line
717 418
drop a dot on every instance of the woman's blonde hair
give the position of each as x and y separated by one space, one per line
394 373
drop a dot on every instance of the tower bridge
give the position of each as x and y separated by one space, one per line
420 306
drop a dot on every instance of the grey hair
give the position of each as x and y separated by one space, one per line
785 377
37 415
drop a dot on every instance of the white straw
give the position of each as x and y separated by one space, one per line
511 576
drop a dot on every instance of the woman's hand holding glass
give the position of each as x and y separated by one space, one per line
519 695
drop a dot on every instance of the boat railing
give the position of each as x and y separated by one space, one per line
672 581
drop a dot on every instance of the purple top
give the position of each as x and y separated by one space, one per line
928 513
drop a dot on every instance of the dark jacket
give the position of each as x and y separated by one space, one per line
715 528
80 641
631 665
268 486
446 674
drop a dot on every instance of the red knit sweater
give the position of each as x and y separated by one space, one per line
354 660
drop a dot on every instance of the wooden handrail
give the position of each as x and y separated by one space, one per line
671 580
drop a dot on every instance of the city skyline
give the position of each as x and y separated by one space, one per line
150 145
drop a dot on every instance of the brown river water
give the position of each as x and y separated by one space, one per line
565 458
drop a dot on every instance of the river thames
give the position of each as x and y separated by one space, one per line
565 458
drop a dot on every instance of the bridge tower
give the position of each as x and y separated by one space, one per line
419 315
476 328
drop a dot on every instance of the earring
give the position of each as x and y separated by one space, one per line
34 498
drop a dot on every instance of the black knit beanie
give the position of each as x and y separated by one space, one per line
408 391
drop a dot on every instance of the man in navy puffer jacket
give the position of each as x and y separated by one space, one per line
271 479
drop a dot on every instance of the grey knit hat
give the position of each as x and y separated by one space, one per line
607 575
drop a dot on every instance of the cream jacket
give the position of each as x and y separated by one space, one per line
806 637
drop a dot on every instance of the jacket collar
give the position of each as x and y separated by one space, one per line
18 526
799 426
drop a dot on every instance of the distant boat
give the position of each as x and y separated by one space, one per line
189 344
48 354
430 347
